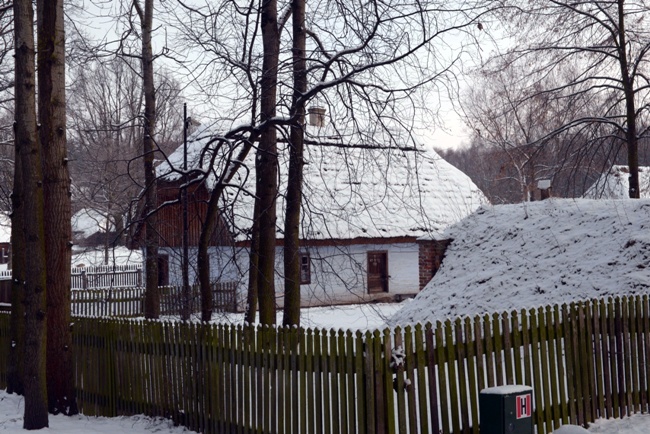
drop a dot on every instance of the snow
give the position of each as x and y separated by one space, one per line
635 424
534 254
352 317
88 221
615 184
570 429
351 191
506 390
11 421
119 255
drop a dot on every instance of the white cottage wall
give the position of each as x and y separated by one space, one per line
338 273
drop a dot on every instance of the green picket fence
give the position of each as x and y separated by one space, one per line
584 361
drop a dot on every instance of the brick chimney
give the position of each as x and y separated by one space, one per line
430 254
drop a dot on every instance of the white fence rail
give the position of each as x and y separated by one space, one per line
101 276
129 302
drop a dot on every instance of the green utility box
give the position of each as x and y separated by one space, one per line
506 410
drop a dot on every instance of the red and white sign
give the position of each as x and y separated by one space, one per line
524 406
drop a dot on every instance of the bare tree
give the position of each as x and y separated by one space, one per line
106 135
296 150
602 49
58 212
32 225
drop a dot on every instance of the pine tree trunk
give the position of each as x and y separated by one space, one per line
152 293
266 164
36 416
58 213
294 187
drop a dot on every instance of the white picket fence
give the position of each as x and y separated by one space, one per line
101 276
107 276
129 302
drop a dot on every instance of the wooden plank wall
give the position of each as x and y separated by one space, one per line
584 361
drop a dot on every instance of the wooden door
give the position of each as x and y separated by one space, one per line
377 272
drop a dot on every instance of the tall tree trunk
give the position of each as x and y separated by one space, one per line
253 264
36 416
58 213
152 293
16 348
294 187
630 111
266 164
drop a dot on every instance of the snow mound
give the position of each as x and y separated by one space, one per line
509 257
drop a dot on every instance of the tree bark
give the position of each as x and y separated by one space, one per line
630 110
152 293
36 416
294 188
266 164
58 213
253 264
15 367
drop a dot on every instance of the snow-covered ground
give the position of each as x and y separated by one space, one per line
11 421
353 317
527 255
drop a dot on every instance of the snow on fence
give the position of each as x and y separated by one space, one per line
129 302
584 361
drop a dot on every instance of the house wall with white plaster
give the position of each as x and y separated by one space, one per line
338 273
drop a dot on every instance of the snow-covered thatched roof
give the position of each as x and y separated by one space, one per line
614 184
367 190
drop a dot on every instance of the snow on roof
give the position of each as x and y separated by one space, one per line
352 192
614 184
88 221
528 255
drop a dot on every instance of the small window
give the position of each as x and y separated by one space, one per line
305 268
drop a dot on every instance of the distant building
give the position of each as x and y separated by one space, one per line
615 184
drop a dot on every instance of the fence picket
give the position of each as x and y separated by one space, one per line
461 356
471 370
537 375
433 373
546 378
646 346
442 378
641 380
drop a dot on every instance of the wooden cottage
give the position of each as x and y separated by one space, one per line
371 216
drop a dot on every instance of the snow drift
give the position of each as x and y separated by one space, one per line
527 255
